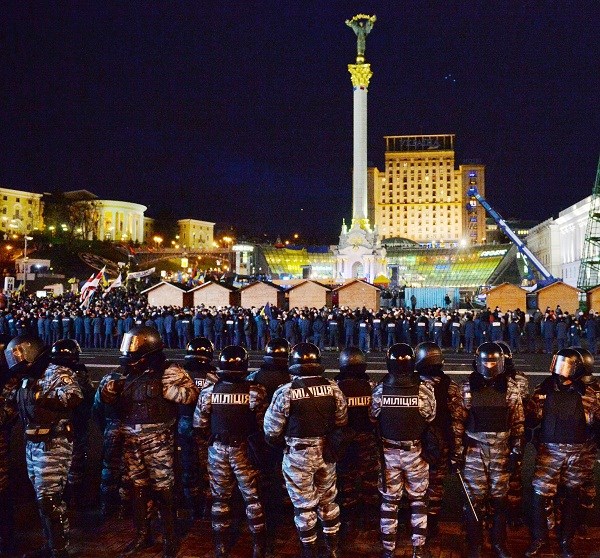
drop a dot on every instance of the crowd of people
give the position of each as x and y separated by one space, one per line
105 320
346 449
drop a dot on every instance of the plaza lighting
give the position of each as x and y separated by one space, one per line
157 240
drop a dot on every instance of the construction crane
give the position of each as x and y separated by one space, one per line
474 196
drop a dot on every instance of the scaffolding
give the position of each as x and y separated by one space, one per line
589 270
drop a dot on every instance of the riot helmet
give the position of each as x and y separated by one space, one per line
429 359
138 343
65 352
400 360
352 362
489 360
277 351
233 361
567 366
199 350
587 359
24 352
305 360
509 363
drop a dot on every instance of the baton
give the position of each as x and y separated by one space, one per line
467 497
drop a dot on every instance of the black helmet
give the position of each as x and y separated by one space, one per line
489 360
588 364
23 352
139 342
353 361
305 360
277 350
199 349
567 365
509 364
400 359
429 359
65 352
233 359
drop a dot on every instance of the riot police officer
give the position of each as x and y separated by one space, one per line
193 448
402 407
357 471
231 410
492 424
273 371
8 414
45 395
304 411
65 352
515 483
565 408
429 364
147 397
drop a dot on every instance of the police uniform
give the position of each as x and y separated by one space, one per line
491 425
566 409
429 363
45 397
231 410
304 411
402 407
193 447
357 471
147 398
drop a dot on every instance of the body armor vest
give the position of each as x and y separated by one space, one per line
198 373
142 400
231 419
311 416
271 376
442 420
33 413
489 411
358 394
563 420
400 419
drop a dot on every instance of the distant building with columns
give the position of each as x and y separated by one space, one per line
120 220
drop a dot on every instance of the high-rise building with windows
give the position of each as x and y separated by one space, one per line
422 197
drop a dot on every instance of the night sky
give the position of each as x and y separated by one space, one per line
241 112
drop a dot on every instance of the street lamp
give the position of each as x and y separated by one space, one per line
158 240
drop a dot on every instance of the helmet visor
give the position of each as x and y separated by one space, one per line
565 367
15 355
490 367
131 343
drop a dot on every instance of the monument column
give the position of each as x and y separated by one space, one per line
361 75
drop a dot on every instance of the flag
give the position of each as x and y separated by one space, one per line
267 311
91 285
105 281
118 282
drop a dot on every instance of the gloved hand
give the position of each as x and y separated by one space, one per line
114 387
514 459
457 462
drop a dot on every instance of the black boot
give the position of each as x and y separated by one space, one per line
569 522
332 542
7 524
433 527
474 535
498 534
220 539
539 526
143 539
309 550
166 507
54 523
259 544
386 553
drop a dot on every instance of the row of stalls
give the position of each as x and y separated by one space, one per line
354 293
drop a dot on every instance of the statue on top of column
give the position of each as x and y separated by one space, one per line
361 25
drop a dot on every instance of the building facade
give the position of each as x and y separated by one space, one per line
120 220
422 197
195 234
20 212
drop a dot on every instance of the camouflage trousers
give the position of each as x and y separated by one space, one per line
114 475
515 487
310 483
486 470
404 471
226 465
149 457
4 457
588 485
437 473
357 473
558 464
81 444
48 465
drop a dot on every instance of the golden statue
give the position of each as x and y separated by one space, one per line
361 25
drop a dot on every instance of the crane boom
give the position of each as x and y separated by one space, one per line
521 246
